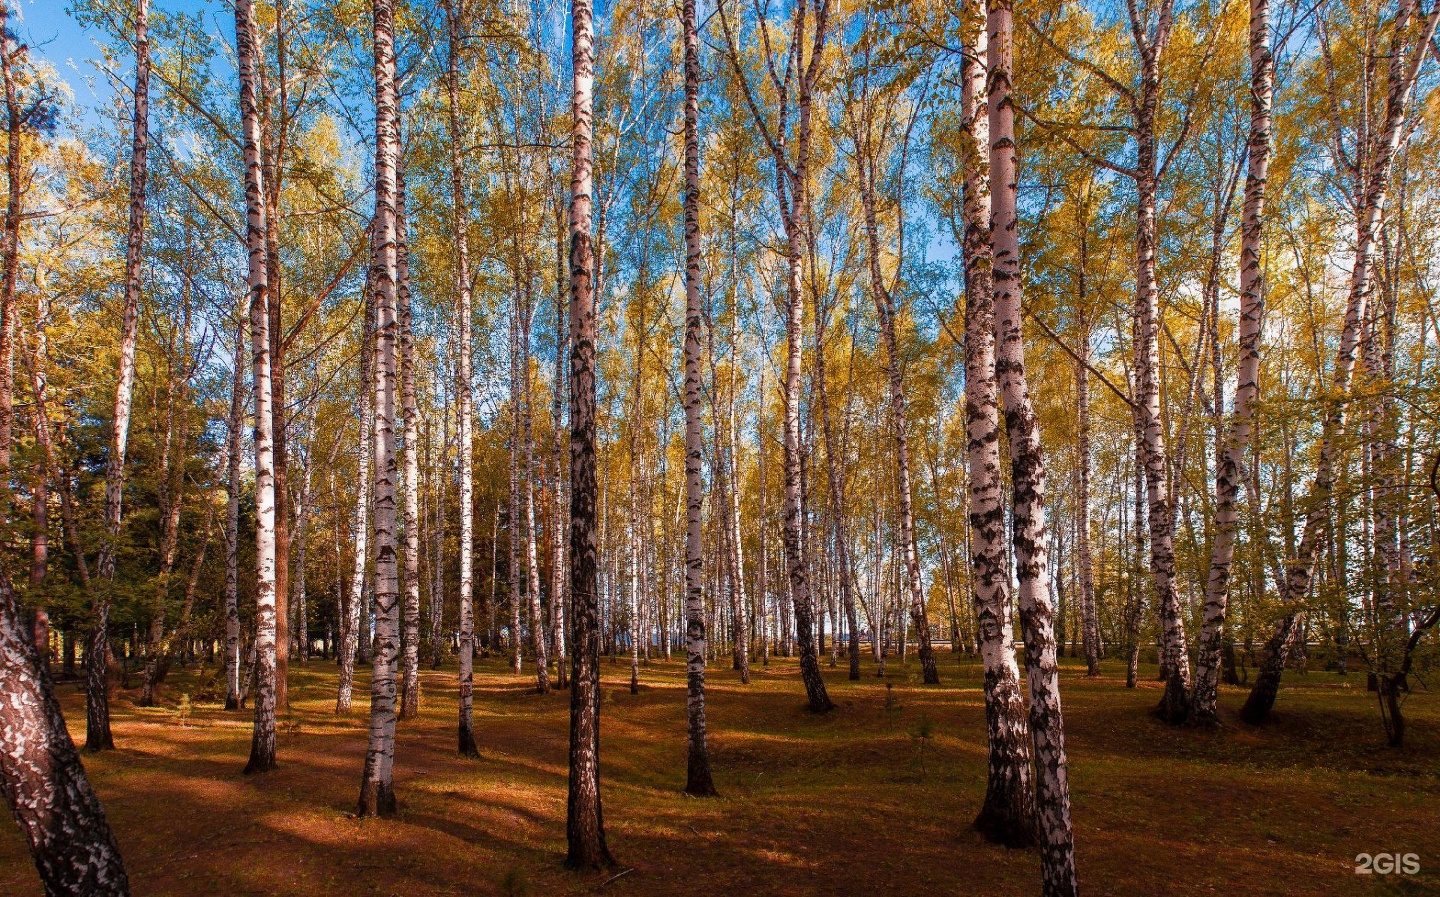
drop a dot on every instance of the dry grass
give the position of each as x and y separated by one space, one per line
837 804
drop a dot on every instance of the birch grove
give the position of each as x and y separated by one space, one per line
858 393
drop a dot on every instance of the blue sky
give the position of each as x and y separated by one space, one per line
52 33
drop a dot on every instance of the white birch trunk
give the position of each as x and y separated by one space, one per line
377 796
410 606
97 694
584 825
262 746
1404 71
1007 814
1027 474
1247 387
460 223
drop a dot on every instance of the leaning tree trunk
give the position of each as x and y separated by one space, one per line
1404 71
262 745
1007 816
1027 475
460 223
377 794
351 630
41 777
1247 386
584 819
698 780
97 694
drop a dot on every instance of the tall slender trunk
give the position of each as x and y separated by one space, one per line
895 380
353 634
513 507
171 501
762 565
836 480
1089 618
40 482
1027 475
301 622
532 555
794 511
97 694
232 524
435 515
454 12
557 515
262 745
1247 386
274 133
410 608
44 436
1089 614
741 623
1007 816
584 822
377 795
1404 71
1174 661
1135 595
14 214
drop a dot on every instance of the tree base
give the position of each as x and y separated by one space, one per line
467 743
260 761
376 799
590 860
1174 707
1001 827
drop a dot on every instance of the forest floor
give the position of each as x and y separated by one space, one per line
853 802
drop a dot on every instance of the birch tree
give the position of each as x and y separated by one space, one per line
410 611
97 695
1029 534
698 780
41 776
1007 814
377 795
1247 380
460 218
804 60
1407 52
262 745
232 523
352 632
584 821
